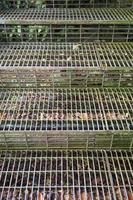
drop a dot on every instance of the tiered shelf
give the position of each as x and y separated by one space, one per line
66 92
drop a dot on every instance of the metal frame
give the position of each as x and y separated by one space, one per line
66 118
65 3
66 174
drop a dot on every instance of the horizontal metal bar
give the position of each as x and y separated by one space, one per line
63 109
66 174
67 16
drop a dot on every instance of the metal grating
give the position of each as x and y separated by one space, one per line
65 3
67 55
66 65
63 109
67 16
84 175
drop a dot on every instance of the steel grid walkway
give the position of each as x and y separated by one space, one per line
83 175
66 65
67 55
64 109
93 118
67 16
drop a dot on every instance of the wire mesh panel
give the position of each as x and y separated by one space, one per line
64 109
84 175
64 3
67 33
66 65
